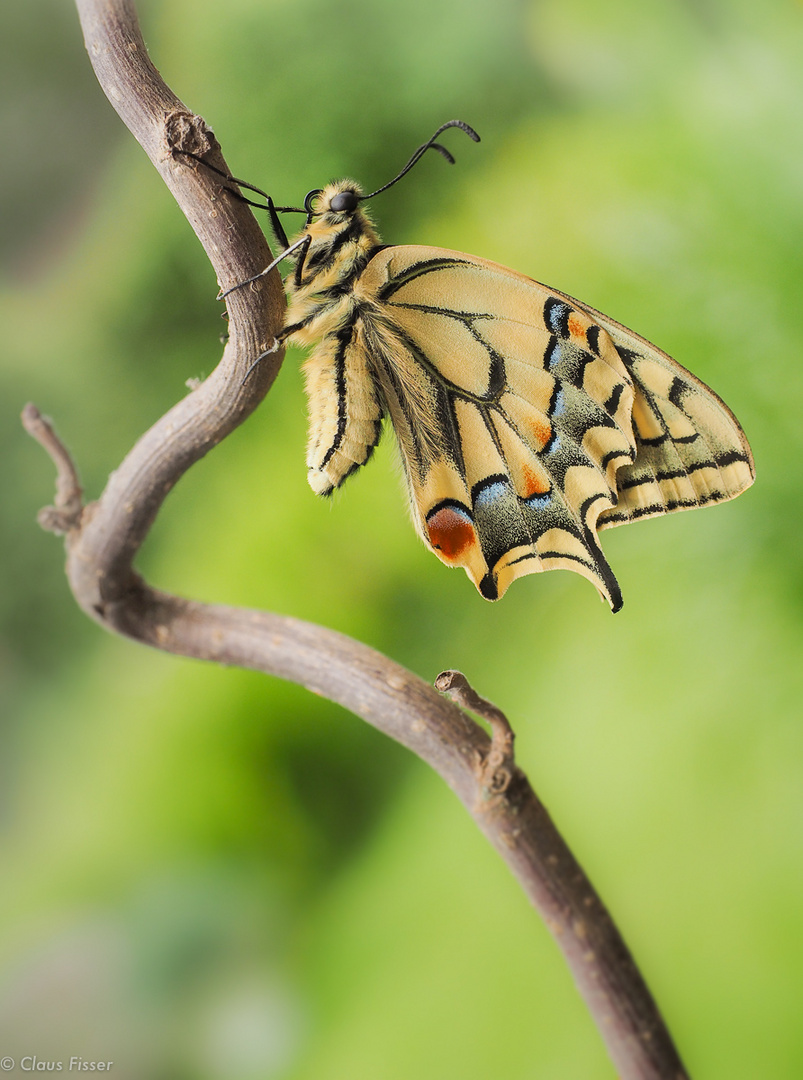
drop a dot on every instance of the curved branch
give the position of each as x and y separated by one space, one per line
103 538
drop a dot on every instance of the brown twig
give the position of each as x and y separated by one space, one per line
495 768
68 505
102 540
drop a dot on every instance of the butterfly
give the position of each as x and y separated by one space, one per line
527 421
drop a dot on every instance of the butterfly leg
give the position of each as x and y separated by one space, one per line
303 242
277 344
232 180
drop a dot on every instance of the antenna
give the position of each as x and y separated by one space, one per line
430 144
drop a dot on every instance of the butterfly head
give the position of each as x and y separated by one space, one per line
337 211
335 204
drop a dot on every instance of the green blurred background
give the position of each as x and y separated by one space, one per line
208 874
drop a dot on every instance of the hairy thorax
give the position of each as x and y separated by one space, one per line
322 298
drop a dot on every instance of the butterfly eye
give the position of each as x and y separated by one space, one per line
344 202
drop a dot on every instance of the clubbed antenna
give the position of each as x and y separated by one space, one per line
430 144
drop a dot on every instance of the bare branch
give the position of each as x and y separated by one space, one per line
103 539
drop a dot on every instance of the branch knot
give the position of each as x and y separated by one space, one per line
187 133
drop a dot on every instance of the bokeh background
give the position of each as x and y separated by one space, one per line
208 874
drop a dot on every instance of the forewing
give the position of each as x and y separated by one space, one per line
690 448
513 413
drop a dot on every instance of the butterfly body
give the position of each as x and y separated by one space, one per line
526 420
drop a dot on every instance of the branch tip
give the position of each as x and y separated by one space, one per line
494 769
65 514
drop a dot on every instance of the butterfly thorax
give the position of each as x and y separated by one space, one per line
321 296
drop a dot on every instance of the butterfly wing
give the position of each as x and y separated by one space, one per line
690 448
526 420
512 408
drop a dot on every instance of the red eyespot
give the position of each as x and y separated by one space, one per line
451 531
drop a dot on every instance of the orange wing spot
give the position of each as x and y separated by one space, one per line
534 485
451 531
577 328
541 430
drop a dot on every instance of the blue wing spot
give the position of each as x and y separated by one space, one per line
556 316
559 408
554 354
538 502
553 446
490 493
